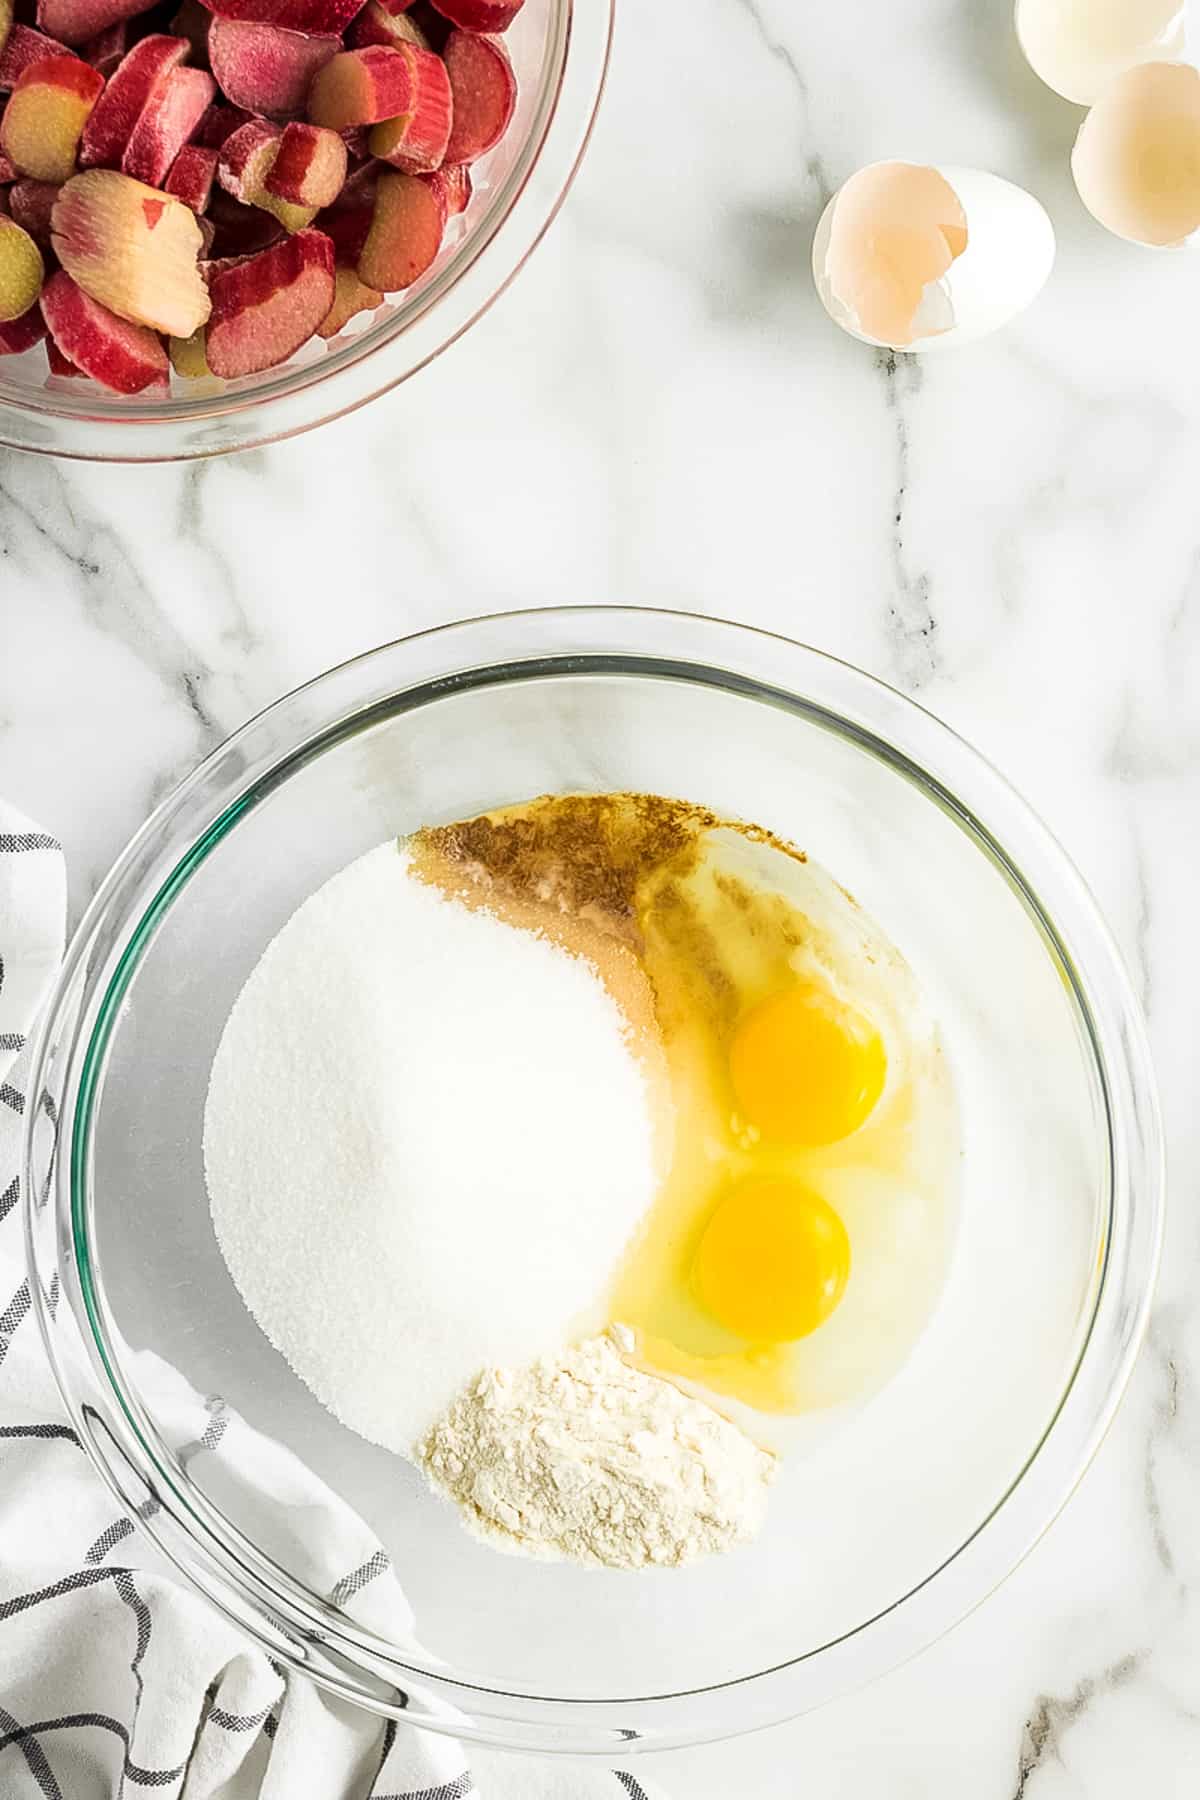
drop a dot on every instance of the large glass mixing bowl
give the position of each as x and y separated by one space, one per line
877 1541
559 51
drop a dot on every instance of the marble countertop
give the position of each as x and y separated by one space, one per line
659 412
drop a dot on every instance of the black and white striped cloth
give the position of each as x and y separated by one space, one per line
116 1681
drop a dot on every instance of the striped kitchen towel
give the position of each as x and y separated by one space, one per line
115 1680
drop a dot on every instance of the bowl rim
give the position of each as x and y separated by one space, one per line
417 327
287 1618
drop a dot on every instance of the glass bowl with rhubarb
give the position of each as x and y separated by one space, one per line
222 223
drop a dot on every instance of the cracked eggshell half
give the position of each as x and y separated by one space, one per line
1136 161
911 257
1077 46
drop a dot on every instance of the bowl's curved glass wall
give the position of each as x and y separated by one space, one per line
869 1516
559 50
884 1503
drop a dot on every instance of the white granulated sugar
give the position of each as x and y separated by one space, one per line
427 1141
581 1456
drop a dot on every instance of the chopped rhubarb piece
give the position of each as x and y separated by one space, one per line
240 230
24 45
17 335
6 19
31 203
107 51
167 121
22 271
480 15
120 106
350 297
42 123
405 235
416 140
360 87
188 357
60 364
7 172
76 21
246 156
453 184
191 176
309 167
246 161
219 124
263 68
375 24
127 358
133 249
193 22
263 310
485 95
318 18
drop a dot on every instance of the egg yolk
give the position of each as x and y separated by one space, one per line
773 1262
805 1068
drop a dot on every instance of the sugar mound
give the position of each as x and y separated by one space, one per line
427 1140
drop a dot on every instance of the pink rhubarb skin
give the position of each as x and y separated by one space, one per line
76 21
360 87
167 121
318 18
485 95
309 167
241 160
264 68
23 46
479 15
265 308
124 357
191 176
416 141
119 107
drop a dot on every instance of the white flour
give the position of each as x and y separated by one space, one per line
580 1455
427 1141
